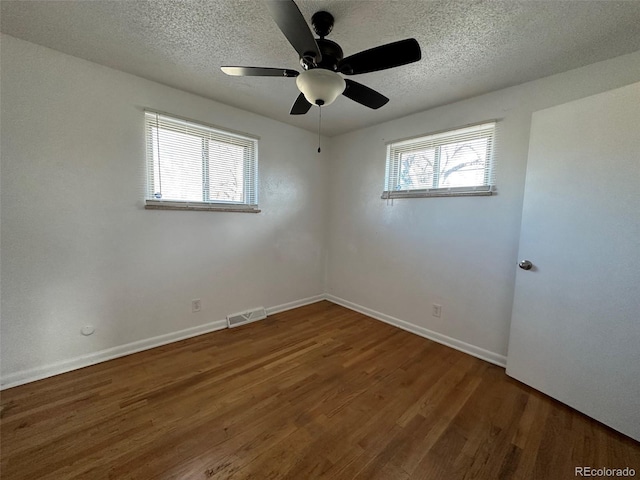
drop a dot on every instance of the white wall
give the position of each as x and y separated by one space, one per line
78 248
397 259
77 245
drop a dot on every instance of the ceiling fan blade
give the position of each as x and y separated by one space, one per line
288 17
364 95
300 106
259 72
380 58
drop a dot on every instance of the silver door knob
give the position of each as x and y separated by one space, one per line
525 265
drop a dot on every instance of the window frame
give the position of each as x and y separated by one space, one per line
206 132
436 140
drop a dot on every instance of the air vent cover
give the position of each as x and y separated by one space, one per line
249 316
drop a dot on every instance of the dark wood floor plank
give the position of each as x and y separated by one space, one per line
315 392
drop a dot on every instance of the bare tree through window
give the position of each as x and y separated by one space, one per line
457 159
194 163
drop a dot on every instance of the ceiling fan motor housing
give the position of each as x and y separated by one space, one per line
331 54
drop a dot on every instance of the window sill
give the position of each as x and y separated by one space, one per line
200 206
440 192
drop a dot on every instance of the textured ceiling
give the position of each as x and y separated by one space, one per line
468 47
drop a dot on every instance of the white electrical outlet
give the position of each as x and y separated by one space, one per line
436 310
196 305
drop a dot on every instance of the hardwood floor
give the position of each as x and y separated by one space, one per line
316 392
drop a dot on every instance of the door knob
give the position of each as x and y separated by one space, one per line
525 265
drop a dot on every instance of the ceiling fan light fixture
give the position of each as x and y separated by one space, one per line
320 86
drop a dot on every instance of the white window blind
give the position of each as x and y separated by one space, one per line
456 162
195 166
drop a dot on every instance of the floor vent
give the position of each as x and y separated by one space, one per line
237 319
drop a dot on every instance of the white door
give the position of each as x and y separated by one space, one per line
575 329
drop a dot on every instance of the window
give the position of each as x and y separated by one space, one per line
452 163
196 167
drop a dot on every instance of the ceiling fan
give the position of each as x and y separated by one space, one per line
322 60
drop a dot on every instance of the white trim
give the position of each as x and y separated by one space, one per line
38 373
295 304
478 352
483 191
45 371
151 204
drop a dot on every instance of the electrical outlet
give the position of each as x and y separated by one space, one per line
196 305
436 310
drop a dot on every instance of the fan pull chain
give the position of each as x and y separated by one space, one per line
319 127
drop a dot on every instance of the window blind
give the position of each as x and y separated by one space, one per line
198 165
455 162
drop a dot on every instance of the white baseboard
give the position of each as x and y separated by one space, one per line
38 373
478 352
298 303
45 371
